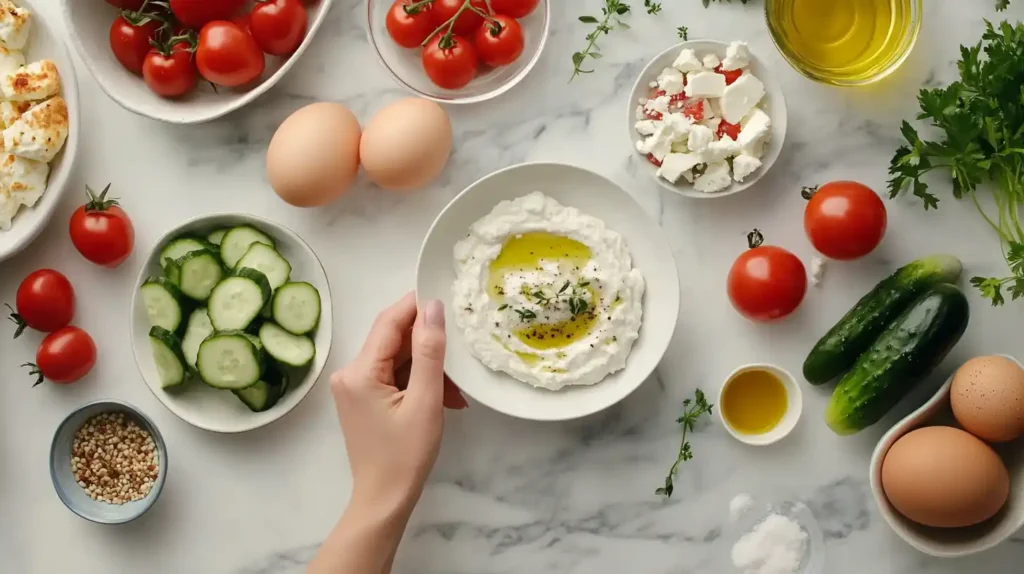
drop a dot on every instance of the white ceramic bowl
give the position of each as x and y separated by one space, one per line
201 405
596 196
45 42
794 406
774 104
88 23
950 542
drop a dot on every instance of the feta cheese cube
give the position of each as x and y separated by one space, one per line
737 56
687 61
711 123
817 270
711 61
40 132
677 164
680 125
671 81
640 114
743 165
699 138
667 132
755 131
11 111
15 24
659 104
721 150
712 109
715 178
643 127
10 60
24 178
36 81
740 97
8 209
705 85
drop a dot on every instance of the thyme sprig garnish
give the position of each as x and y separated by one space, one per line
572 294
611 20
692 411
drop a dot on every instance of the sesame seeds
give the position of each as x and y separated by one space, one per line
114 459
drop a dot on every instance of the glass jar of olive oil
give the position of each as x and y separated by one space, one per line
844 42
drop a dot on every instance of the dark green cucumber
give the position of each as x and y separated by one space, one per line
914 344
838 350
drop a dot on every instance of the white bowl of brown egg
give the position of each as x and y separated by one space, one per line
949 478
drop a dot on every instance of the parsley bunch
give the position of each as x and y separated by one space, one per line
981 117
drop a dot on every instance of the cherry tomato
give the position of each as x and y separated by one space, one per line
130 37
499 42
730 76
409 23
467 22
766 282
278 26
228 55
64 356
132 5
725 129
100 229
45 302
198 13
694 109
453 66
845 220
170 74
243 20
514 8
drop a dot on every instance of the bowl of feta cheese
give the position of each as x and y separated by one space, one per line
706 119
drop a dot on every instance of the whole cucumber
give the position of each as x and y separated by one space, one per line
837 351
914 344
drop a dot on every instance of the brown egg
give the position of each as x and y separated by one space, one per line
944 477
407 144
988 398
314 156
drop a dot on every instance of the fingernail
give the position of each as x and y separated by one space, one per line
435 314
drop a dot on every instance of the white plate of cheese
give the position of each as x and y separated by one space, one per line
39 112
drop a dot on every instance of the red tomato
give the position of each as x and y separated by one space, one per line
727 129
132 5
278 26
730 76
243 20
130 37
64 356
766 282
845 220
45 302
499 42
198 13
410 23
514 8
694 109
228 56
469 18
170 74
100 229
453 66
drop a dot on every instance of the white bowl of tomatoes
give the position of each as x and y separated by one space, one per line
190 61
458 51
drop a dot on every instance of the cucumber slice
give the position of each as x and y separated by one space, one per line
164 303
199 273
296 308
259 397
198 329
170 363
268 261
171 271
216 237
229 361
181 247
236 301
237 241
285 348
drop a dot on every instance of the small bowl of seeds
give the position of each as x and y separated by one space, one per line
108 462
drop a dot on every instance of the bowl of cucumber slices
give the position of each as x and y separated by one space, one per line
231 321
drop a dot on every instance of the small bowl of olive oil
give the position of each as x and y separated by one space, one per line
760 404
844 42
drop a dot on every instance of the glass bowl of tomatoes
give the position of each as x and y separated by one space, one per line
458 51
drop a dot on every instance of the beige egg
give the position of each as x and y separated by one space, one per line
314 155
988 398
407 144
944 477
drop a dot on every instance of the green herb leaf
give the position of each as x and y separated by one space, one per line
683 32
692 412
503 306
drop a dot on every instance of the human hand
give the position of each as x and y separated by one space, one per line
391 401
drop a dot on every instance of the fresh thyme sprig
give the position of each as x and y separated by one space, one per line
574 295
692 411
652 7
611 20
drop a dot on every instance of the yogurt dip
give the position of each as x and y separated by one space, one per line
547 294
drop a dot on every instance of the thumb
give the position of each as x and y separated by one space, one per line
426 379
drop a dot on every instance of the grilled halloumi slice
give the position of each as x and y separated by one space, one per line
25 178
15 25
9 207
34 82
10 60
40 132
11 111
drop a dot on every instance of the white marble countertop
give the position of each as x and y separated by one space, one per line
507 496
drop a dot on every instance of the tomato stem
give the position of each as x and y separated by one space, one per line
808 191
414 8
35 371
755 239
100 203
17 320
446 42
